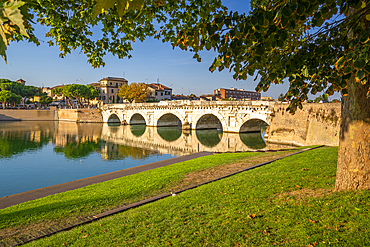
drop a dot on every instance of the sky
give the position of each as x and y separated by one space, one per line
41 66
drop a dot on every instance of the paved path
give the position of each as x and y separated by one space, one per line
7 201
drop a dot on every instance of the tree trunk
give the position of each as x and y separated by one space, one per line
353 170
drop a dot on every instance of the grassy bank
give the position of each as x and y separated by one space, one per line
61 209
289 202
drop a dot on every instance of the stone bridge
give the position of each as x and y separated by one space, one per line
230 116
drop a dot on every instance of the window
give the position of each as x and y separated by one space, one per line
162 94
116 84
103 97
111 84
112 90
156 93
99 97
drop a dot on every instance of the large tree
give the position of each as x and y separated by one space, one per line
137 92
314 45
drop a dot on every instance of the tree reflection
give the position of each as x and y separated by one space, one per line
209 137
16 142
138 130
169 134
77 150
253 140
111 151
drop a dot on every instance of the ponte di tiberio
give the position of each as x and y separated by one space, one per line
230 116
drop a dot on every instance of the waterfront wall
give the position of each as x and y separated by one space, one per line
27 115
80 115
69 115
315 124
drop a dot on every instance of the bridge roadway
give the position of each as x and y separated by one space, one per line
230 116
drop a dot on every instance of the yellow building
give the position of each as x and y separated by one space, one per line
108 89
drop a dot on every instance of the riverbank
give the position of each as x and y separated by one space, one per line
60 209
82 115
288 202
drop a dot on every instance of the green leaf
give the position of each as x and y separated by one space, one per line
305 71
359 64
208 46
301 9
339 64
348 70
287 12
284 21
367 69
360 75
273 76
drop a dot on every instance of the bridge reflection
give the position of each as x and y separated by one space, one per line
172 140
78 140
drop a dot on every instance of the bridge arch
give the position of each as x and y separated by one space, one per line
169 119
253 125
209 120
136 119
114 118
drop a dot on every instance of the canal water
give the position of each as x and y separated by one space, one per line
39 154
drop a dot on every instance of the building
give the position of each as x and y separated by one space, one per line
108 89
21 81
210 97
234 93
267 98
159 92
49 92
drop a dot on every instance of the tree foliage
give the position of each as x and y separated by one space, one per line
137 92
77 91
315 45
14 92
45 100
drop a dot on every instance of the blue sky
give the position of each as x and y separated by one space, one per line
41 66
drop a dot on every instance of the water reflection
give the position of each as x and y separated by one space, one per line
138 130
77 150
20 138
253 140
209 137
114 142
169 134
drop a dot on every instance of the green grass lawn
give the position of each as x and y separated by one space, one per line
288 202
64 207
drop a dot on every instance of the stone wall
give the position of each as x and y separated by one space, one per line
70 115
315 124
90 116
27 115
80 115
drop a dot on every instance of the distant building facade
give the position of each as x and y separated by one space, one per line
159 92
21 81
234 93
267 98
49 92
108 89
